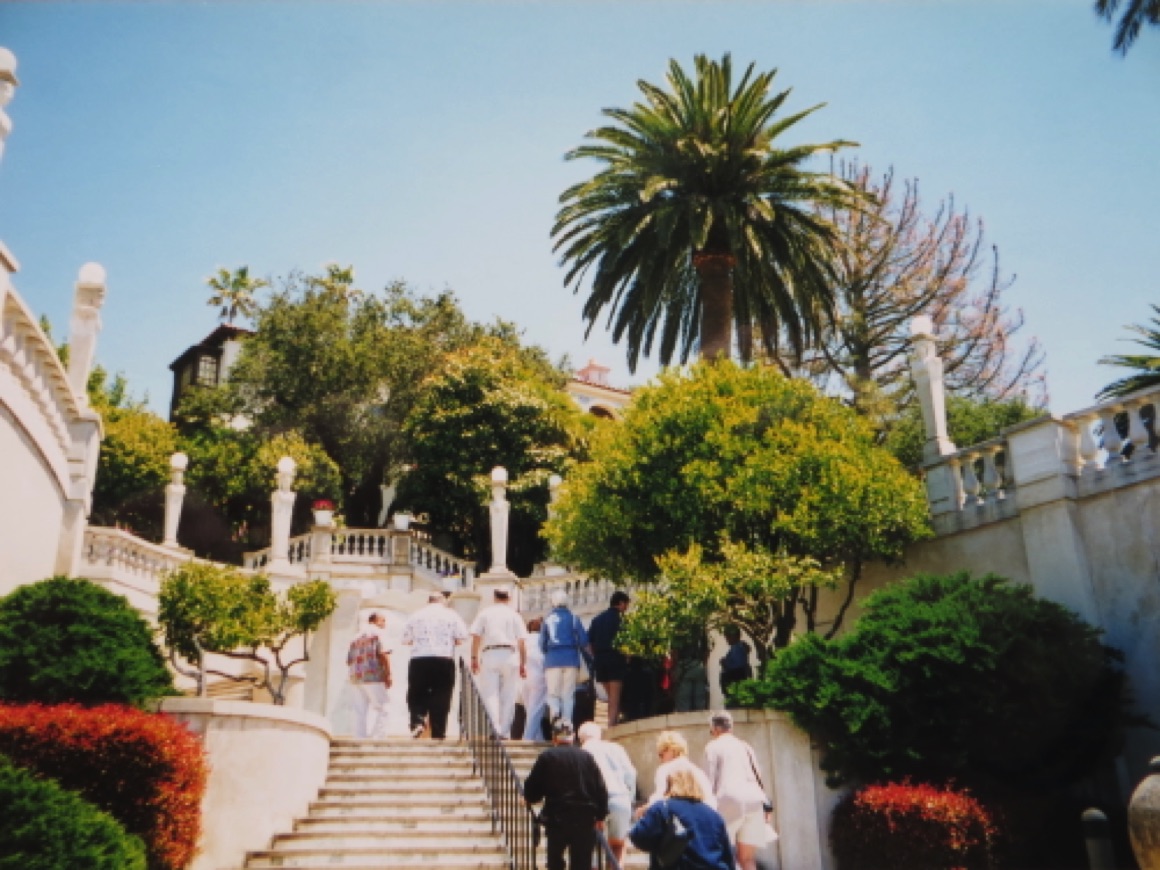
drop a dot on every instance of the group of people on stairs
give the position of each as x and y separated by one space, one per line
718 815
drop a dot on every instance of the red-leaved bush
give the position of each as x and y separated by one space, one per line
146 770
918 827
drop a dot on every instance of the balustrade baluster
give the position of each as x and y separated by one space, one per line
971 484
1089 448
992 477
1113 443
1137 431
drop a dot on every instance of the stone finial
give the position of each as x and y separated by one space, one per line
286 469
178 462
85 325
8 85
927 368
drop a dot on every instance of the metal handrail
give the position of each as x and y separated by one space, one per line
510 813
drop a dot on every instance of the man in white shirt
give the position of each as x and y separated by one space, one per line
499 657
619 779
741 798
370 671
432 632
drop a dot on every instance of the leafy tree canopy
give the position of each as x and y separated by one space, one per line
700 219
491 403
206 608
949 677
67 639
721 454
344 368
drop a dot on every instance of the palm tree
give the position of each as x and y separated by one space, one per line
1147 366
1137 13
234 292
698 223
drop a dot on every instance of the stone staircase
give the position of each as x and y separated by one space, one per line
393 803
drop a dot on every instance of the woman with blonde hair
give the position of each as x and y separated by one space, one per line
707 846
673 752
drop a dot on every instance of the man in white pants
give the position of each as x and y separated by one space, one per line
499 658
741 797
619 779
370 672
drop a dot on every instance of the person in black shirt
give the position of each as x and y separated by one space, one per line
569 782
611 663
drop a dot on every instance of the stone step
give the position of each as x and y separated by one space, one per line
348 841
458 823
448 791
399 806
386 773
437 761
383 855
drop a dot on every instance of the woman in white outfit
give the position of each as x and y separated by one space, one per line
673 752
741 797
535 688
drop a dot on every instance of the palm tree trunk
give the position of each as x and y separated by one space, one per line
716 274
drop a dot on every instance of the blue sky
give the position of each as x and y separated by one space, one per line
424 141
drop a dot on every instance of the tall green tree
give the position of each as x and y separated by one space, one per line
233 292
492 403
1136 13
701 221
1146 365
724 455
343 368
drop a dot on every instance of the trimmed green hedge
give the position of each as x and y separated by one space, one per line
69 640
44 827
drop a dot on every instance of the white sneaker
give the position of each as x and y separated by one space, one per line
417 731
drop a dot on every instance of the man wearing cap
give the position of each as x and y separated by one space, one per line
569 782
370 672
433 632
499 657
562 637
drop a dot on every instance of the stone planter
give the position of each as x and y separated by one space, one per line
1144 818
324 518
402 522
267 764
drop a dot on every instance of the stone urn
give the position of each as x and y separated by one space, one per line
402 522
1144 818
324 518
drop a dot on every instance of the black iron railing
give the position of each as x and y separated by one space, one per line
510 814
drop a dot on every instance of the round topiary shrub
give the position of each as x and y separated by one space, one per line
44 827
67 639
896 825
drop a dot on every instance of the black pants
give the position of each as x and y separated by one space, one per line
431 681
578 836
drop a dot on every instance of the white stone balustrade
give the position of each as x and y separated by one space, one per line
979 473
126 564
586 596
297 553
1099 444
372 546
429 558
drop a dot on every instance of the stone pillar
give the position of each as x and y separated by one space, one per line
499 574
1038 454
283 511
85 430
8 85
174 496
84 327
927 368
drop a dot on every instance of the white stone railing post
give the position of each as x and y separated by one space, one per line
500 511
174 496
927 368
85 326
282 502
8 85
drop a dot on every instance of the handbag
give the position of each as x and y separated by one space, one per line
674 840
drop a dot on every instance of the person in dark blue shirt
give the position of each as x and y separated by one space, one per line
708 846
611 664
735 665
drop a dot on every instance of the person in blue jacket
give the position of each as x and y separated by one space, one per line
708 846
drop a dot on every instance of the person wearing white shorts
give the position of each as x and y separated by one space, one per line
741 797
620 780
